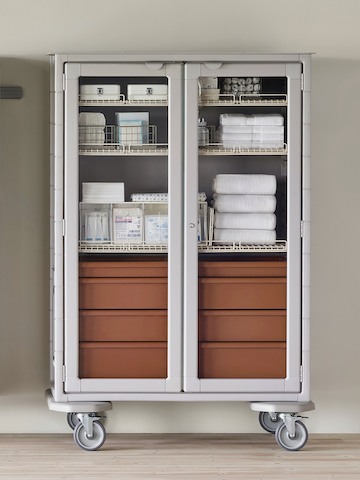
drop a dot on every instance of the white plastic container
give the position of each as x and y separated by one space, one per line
156 229
100 92
147 92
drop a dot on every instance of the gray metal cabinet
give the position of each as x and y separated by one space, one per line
147 301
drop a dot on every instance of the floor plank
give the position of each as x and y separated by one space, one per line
179 457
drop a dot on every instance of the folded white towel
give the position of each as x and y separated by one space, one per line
251 144
244 184
92 119
245 203
257 221
257 119
91 128
245 236
268 129
254 137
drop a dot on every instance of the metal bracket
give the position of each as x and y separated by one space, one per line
11 93
88 419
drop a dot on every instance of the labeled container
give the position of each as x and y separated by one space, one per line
100 92
147 92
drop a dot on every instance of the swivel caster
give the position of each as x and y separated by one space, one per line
72 420
294 440
87 441
269 421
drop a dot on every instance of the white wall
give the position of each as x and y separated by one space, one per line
28 31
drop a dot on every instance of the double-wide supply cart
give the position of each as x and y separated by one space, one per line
180 223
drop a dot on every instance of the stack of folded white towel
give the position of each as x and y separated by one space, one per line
244 208
251 131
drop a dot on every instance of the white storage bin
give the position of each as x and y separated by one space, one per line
156 229
95 223
100 92
147 92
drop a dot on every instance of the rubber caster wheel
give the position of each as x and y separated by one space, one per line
90 443
297 442
269 424
72 420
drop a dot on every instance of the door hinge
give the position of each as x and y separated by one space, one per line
64 227
64 82
301 374
302 81
302 229
64 373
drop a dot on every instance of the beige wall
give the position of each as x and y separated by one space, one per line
28 31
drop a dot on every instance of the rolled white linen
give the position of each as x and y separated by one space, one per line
257 221
244 184
244 203
266 137
245 236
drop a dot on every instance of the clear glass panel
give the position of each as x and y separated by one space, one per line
123 227
242 171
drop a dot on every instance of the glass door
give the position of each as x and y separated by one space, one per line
123 204
242 305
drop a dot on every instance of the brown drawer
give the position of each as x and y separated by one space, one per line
242 325
242 293
123 269
242 360
276 268
123 360
123 293
123 325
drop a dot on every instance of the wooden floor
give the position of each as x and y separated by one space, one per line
178 457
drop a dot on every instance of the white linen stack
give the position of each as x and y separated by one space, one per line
244 207
251 131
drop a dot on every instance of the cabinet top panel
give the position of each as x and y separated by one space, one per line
184 57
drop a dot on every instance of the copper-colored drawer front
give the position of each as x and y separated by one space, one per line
123 293
242 325
123 269
243 269
242 293
123 325
123 360
242 360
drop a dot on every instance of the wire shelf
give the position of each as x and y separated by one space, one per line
122 102
279 100
233 247
219 149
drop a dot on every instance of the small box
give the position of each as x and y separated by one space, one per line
100 92
156 229
208 82
147 92
127 225
138 120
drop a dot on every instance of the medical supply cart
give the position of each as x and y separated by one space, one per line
180 223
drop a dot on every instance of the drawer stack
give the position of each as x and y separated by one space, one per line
123 319
242 319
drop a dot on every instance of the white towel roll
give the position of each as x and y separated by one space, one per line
244 184
245 236
257 221
245 203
